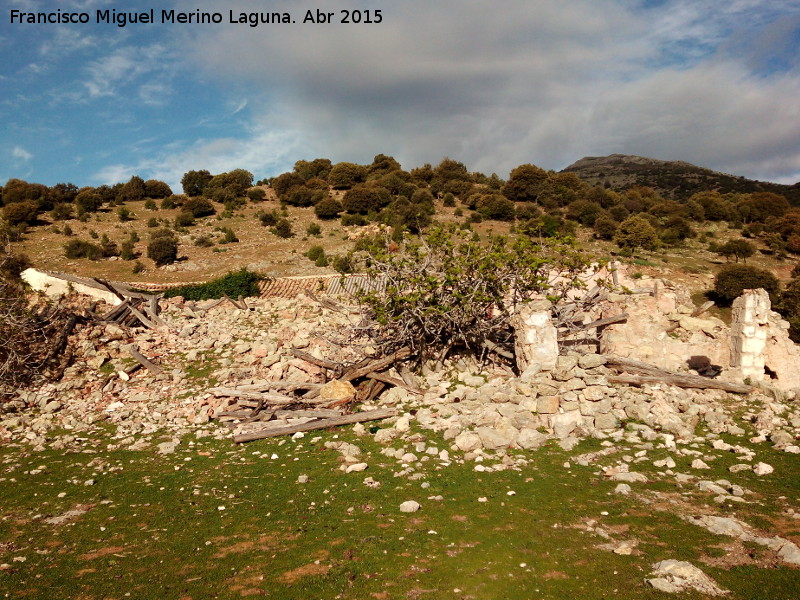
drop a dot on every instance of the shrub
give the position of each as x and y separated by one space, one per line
449 200
350 220
285 182
234 284
150 204
194 182
153 188
20 212
124 214
138 267
605 228
365 198
67 231
169 202
109 247
204 241
328 208
301 196
283 228
343 263
636 232
732 280
82 249
313 229
62 212
229 237
163 248
496 208
269 219
315 252
345 175
88 200
256 195
322 261
446 291
152 222
737 249
199 207
185 218
127 252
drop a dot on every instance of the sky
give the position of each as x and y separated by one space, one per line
492 84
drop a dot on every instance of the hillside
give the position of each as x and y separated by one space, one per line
672 179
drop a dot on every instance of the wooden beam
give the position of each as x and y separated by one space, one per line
395 382
361 417
683 381
595 324
319 362
376 365
137 356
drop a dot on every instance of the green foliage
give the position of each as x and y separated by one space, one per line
283 228
163 247
732 280
234 284
67 231
445 290
20 212
62 212
256 195
138 267
204 241
328 208
353 220
132 191
235 182
345 175
365 198
497 208
315 252
737 249
636 232
229 237
343 263
318 168
153 188
789 306
268 219
124 214
605 228
185 218
525 183
313 229
449 200
108 246
88 200
82 249
302 196
194 182
199 207
150 204
285 182
127 252
152 222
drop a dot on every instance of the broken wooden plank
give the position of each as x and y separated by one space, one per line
395 382
376 365
319 362
221 392
138 357
142 319
110 288
279 385
492 347
683 381
115 312
595 324
361 417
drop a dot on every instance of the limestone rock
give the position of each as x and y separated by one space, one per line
338 390
673 576
410 506
536 336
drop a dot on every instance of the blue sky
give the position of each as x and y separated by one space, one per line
495 85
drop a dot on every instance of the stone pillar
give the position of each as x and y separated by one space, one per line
749 333
536 338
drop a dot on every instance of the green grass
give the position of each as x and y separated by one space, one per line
154 527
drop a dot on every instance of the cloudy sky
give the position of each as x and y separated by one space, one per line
493 84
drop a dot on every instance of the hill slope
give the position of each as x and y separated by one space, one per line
672 179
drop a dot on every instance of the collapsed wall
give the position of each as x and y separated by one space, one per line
760 346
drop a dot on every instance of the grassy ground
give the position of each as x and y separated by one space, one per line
218 521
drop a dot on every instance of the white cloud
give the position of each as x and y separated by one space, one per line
544 82
21 154
261 151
